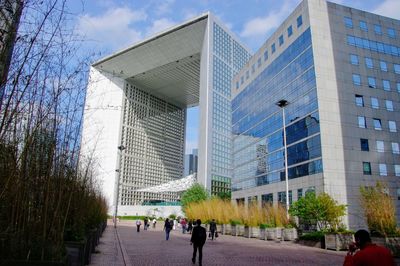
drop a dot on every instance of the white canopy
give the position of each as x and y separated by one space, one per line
173 186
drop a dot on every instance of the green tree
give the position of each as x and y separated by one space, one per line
321 210
195 193
224 195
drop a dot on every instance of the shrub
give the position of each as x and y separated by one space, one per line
314 236
379 210
320 210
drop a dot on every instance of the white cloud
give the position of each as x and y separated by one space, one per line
113 29
260 26
389 8
159 25
165 7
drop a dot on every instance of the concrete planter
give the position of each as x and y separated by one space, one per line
234 230
289 234
240 230
76 251
255 232
247 231
392 243
273 233
338 241
226 229
262 235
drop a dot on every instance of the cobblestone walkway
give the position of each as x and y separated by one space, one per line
125 246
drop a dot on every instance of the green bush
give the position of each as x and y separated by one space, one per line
314 236
235 222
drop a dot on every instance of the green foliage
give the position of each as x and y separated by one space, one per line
314 236
172 216
224 195
235 222
379 210
320 210
195 193
263 226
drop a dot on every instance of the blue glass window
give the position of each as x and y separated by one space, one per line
367 168
361 122
373 45
237 85
359 100
377 123
374 103
398 87
396 68
391 32
369 63
265 55
247 75
280 40
378 29
363 25
253 68
386 84
241 80
364 144
356 79
354 59
289 31
372 82
299 21
259 62
273 48
383 66
348 22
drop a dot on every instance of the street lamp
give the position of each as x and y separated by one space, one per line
282 104
120 149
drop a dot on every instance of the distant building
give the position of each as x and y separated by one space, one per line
190 163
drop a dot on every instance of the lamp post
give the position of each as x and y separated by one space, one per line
282 104
120 149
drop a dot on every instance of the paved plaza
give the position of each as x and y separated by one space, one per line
125 246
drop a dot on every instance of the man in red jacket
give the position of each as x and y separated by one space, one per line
369 254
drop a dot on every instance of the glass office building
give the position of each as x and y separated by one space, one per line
339 70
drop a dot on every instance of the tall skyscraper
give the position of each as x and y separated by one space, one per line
339 70
135 112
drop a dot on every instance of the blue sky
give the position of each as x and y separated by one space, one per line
111 25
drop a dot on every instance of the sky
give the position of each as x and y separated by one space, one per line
112 25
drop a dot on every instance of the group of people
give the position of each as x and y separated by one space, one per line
146 222
362 252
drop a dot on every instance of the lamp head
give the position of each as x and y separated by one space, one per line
282 103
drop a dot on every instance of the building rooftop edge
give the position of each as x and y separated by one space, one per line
154 37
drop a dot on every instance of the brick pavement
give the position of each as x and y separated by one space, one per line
151 248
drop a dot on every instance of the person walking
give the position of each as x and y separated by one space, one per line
154 223
167 228
190 226
213 228
138 224
183 224
369 254
199 236
146 221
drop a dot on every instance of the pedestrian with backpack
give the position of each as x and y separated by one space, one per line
199 235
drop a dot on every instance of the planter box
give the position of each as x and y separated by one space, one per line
247 231
76 251
226 229
234 230
392 243
310 243
262 235
240 230
338 241
255 232
289 234
273 233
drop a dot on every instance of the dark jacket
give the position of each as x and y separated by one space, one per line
213 226
167 226
199 235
